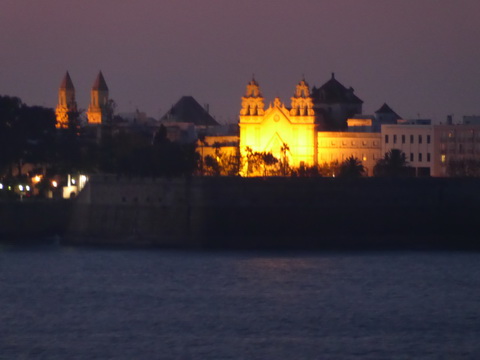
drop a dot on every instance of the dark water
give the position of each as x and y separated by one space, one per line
70 303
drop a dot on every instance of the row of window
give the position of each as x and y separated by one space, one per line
404 138
345 143
333 157
420 157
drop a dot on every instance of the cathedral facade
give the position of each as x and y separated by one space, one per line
298 131
277 129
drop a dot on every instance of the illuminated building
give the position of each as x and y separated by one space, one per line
295 132
279 130
339 146
98 110
66 102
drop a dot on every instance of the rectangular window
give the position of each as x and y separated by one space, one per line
411 156
419 139
411 139
386 139
428 139
364 143
403 139
443 158
394 139
420 157
428 157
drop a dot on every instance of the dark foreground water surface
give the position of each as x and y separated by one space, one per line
74 303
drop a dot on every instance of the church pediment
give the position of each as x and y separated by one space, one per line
277 115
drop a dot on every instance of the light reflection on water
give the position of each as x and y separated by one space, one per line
79 303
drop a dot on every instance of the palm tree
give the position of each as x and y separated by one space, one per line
351 168
394 164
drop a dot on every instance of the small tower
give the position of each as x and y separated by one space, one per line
98 110
252 102
66 102
302 102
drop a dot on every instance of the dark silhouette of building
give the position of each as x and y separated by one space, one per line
334 104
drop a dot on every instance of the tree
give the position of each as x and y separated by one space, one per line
394 164
329 169
351 168
27 134
284 164
307 171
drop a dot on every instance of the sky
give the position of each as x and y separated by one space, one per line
422 57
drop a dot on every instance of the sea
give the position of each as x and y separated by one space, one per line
60 302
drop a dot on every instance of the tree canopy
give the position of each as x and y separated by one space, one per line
351 168
394 164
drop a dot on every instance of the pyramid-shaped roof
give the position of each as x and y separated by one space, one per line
333 92
188 110
385 109
100 83
67 83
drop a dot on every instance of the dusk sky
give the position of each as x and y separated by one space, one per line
422 57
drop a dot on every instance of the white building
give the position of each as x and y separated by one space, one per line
416 141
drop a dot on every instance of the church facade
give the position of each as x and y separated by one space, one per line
277 129
309 132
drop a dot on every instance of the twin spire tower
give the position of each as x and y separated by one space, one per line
67 107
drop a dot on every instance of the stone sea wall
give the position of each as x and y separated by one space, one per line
33 220
277 213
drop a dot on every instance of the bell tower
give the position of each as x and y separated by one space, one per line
98 110
252 102
302 102
66 102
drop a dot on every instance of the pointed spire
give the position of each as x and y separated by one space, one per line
67 83
100 83
333 76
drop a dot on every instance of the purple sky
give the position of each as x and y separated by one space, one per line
422 57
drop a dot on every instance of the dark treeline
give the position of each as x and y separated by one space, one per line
28 135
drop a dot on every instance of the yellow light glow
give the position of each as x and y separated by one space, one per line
36 179
443 158
54 184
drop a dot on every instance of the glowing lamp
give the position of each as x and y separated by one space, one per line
20 187
1 186
27 188
54 184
